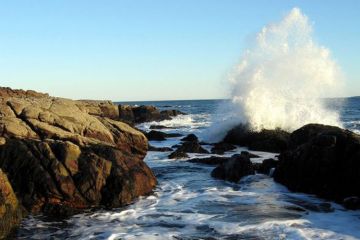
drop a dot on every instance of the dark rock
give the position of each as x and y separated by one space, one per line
156 136
140 114
238 166
266 166
178 154
322 160
160 127
210 160
265 140
160 136
192 147
222 147
352 203
190 138
251 155
126 113
173 135
159 149
167 114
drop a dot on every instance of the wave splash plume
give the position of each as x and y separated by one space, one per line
280 81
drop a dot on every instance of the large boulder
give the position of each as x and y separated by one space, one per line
266 140
10 209
322 160
238 166
62 156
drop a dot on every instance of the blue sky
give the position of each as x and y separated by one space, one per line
152 49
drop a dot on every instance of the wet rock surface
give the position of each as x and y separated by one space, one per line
265 140
322 160
238 166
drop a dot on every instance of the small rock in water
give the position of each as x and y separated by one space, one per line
178 154
213 160
192 147
156 136
160 136
159 127
352 203
251 155
238 166
266 166
222 147
190 138
159 149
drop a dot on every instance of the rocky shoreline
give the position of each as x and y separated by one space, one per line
315 159
59 156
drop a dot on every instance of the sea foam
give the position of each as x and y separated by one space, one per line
280 81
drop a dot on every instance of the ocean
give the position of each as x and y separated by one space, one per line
189 204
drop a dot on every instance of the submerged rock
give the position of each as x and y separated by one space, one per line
238 166
213 160
160 127
265 140
322 160
62 155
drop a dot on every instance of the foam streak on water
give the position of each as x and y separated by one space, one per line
280 80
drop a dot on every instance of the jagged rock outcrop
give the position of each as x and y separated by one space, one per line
265 140
322 160
61 155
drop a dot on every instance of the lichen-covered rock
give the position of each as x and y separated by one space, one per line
10 210
62 156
